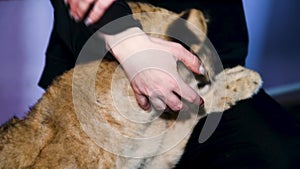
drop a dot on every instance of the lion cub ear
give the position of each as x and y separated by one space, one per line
189 29
196 20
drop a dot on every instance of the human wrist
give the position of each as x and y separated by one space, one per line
126 43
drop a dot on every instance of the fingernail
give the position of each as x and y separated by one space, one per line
72 15
66 2
202 70
76 18
87 21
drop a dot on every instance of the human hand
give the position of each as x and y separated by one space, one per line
151 66
79 8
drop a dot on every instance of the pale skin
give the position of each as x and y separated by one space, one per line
78 9
153 82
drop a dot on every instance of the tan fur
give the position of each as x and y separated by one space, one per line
74 120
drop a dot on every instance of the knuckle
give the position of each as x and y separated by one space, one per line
107 3
173 86
93 16
177 46
98 7
175 104
192 98
178 106
102 5
72 7
96 10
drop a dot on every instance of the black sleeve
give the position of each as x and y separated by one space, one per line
68 37
118 9
75 34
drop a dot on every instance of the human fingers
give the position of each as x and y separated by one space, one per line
78 8
187 93
159 95
164 97
182 54
174 102
142 101
157 103
98 10
189 59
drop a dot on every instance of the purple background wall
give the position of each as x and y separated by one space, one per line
26 24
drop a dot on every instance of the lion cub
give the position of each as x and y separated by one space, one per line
99 124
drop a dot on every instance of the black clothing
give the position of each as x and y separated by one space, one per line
257 133
227 29
68 37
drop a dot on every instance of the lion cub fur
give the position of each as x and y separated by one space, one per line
54 135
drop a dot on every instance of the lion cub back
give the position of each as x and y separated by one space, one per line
75 125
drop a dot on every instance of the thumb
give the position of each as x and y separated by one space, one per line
182 54
190 60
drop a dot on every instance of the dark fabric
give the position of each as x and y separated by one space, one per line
257 133
68 37
227 29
